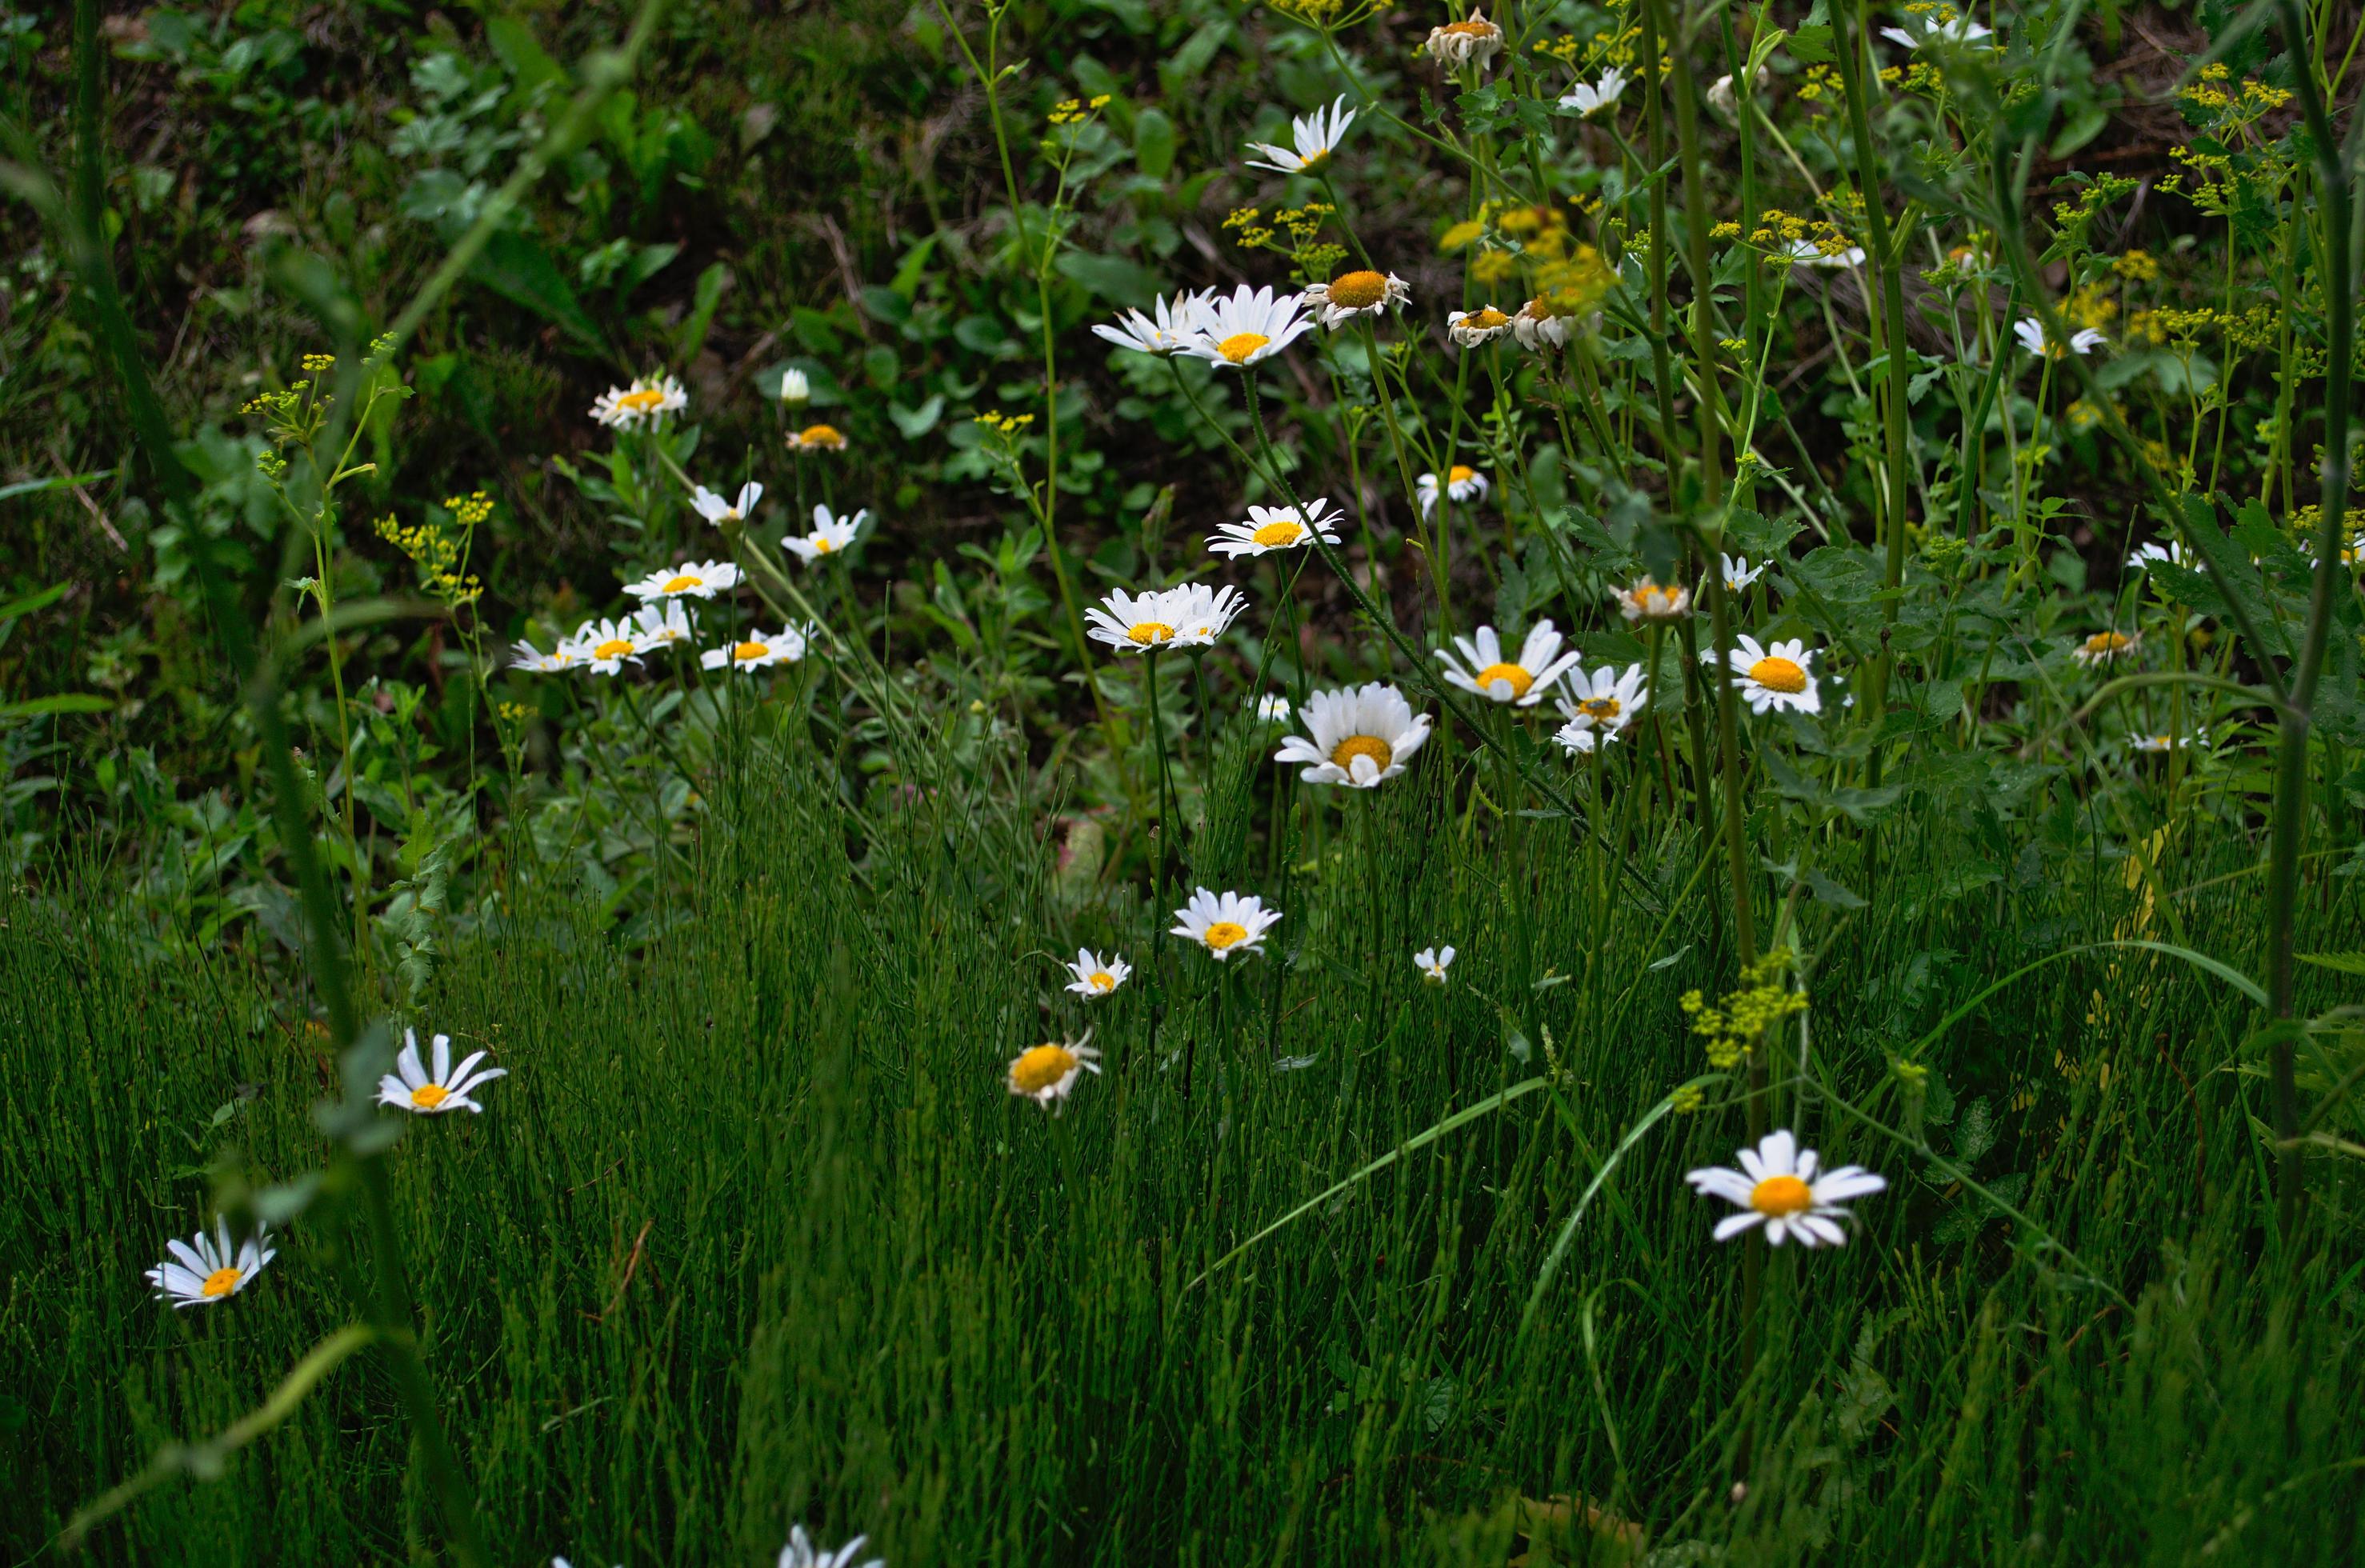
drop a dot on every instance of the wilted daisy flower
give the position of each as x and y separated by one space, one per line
1276 528
1719 98
796 388
1646 600
412 1087
1433 962
1807 253
1587 96
830 534
800 1553
645 402
1463 482
533 661
1475 40
1272 707
608 645
2031 334
1774 675
1738 573
697 579
717 511
1312 138
758 649
1538 326
1048 1074
1361 736
817 438
1482 668
2149 556
1225 925
1358 293
1096 979
1776 1187
2105 647
1954 30
1608 699
1471 328
1194 615
1169 331
207 1269
660 625
1247 325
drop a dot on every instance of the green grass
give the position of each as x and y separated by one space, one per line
753 1234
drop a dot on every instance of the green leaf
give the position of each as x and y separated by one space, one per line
2342 963
1153 142
42 599
1112 278
521 271
65 702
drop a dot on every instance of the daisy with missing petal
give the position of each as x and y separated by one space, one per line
800 1553
1738 573
645 402
1432 963
1276 528
1524 681
1469 329
830 534
2105 647
1607 700
718 511
1272 707
1646 600
533 661
207 1269
1586 98
1225 926
1192 616
412 1087
660 625
1170 330
694 579
1312 138
1358 293
1247 327
1361 736
1048 1073
1773 675
1776 1187
1463 482
1474 40
756 650
817 438
1540 327
2031 334
1096 979
608 645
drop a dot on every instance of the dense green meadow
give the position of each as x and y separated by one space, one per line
1159 762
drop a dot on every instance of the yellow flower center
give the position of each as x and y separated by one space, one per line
1359 290
822 547
1469 30
1273 535
1224 934
1652 600
1101 980
820 435
2105 642
1486 320
681 583
1459 474
1778 675
613 649
1040 1067
1150 633
640 399
1779 1195
1600 708
1519 679
1343 754
746 651
1239 346
1309 161
221 1282
427 1096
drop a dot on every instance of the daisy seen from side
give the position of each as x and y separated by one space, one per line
800 1553
817 438
830 534
1167 331
1276 528
645 402
1646 600
2031 334
1470 329
1590 97
758 650
1312 139
1473 40
2106 647
694 579
1362 292
1095 977
1461 483
1432 963
1483 669
718 511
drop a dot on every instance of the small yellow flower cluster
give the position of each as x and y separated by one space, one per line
1725 231
2136 266
1563 49
277 405
1576 286
1761 1003
1324 16
513 712
1688 1099
2090 306
2083 415
1819 81
2251 328
1916 76
1070 110
436 556
1001 423
318 364
470 509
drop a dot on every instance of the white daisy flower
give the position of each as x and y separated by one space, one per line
1225 926
1194 615
817 438
2031 334
1096 979
1170 329
718 511
1483 669
1586 98
1358 293
1272 707
661 625
2106 647
1471 327
1776 1187
2148 555
1738 573
207 1269
1539 326
645 402
1773 675
608 645
1457 44
1048 1074
830 534
1646 600
1954 30
1247 325
758 649
412 1087
1276 528
1720 99
1433 962
697 579
1608 699
800 1553
1312 138
1463 482
1582 740
796 388
533 661
1361 736
2164 742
